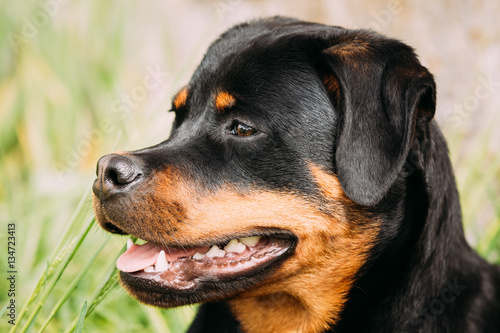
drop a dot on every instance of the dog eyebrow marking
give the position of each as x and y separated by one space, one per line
180 98
224 101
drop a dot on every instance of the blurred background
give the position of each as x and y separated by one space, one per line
73 87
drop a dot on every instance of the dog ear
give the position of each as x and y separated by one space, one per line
381 92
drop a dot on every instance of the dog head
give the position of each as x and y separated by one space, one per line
287 141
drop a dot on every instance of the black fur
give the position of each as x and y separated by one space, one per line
376 133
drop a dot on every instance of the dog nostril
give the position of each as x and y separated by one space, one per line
120 170
115 173
121 173
111 175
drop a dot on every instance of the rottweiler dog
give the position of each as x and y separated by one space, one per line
304 188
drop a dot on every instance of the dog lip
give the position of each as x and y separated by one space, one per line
193 276
110 227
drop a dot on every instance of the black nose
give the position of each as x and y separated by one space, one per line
116 174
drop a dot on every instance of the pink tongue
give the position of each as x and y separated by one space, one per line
138 257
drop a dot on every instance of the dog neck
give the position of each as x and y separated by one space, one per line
425 260
314 306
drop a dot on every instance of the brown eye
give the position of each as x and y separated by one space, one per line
242 130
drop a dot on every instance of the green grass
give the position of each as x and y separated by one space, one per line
60 86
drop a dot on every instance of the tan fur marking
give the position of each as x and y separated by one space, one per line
354 51
350 47
224 101
333 86
181 98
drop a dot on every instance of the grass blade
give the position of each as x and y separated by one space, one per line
81 319
4 309
63 259
73 285
109 282
56 258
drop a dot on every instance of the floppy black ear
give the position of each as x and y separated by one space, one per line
381 92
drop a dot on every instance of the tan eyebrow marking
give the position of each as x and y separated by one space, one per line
180 98
224 101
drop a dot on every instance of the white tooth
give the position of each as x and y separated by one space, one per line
215 252
235 246
161 263
198 256
129 243
149 269
250 241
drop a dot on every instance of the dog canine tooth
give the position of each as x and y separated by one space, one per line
250 241
199 255
235 246
161 263
130 242
215 252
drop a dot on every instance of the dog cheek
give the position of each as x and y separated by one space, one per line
330 252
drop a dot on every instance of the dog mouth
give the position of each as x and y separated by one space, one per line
194 273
